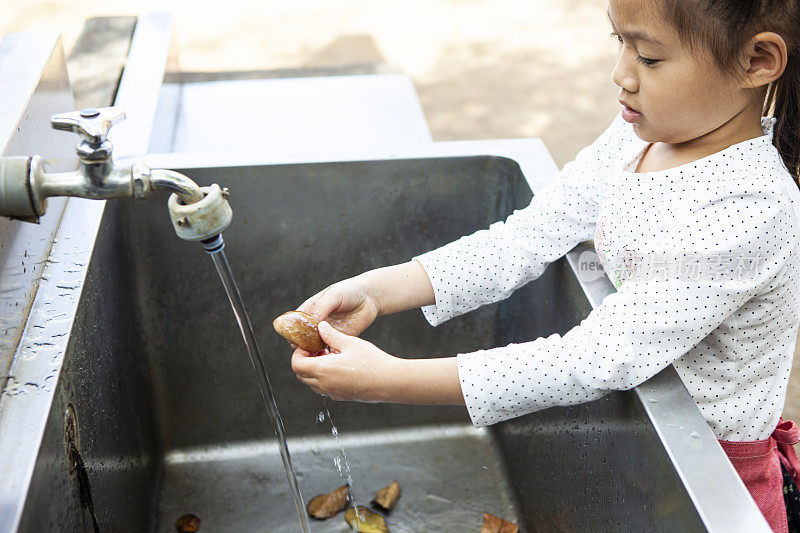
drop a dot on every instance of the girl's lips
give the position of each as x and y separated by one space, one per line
630 115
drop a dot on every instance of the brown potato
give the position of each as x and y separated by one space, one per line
327 505
494 524
301 329
188 523
387 497
365 521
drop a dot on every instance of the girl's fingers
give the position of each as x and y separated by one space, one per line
309 304
306 306
304 378
311 382
326 304
333 337
303 363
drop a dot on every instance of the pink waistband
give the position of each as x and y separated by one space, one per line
784 437
758 464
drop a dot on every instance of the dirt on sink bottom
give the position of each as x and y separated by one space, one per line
450 476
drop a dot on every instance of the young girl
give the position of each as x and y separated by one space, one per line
691 199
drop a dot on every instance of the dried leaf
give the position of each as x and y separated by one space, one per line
300 329
188 523
366 521
493 524
327 505
387 497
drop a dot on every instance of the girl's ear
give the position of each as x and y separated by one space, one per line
763 59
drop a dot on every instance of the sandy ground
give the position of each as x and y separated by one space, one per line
483 69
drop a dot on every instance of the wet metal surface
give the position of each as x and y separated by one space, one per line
33 78
75 327
449 475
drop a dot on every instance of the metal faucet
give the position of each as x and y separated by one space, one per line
197 212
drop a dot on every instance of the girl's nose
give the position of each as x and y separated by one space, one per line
623 75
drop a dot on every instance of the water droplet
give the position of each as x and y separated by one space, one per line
652 400
694 435
320 417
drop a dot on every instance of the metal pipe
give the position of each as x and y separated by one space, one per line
136 181
116 185
169 180
25 185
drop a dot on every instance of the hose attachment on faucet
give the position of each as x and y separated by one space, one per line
15 189
213 245
203 219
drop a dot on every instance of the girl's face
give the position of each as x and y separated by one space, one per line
670 94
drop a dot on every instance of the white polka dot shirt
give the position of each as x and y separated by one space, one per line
705 259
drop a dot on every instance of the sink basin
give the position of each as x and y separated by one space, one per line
169 416
131 363
170 419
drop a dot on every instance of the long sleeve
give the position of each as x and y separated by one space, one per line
741 242
489 265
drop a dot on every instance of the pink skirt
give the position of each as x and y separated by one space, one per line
758 463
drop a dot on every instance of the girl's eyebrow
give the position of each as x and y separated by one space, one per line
635 35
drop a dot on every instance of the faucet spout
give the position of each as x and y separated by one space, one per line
169 180
198 212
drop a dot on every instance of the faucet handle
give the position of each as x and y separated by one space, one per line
92 124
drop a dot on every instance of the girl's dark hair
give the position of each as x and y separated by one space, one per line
724 27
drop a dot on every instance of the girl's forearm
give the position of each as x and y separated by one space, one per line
400 287
414 381
424 381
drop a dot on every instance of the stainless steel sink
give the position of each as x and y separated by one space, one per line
168 412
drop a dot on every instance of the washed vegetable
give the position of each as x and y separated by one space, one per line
387 497
328 505
188 523
494 524
367 521
300 329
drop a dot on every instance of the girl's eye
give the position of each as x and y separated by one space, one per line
646 62
616 36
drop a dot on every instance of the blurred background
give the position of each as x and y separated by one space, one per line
483 69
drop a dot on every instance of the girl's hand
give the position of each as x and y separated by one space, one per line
354 369
350 305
